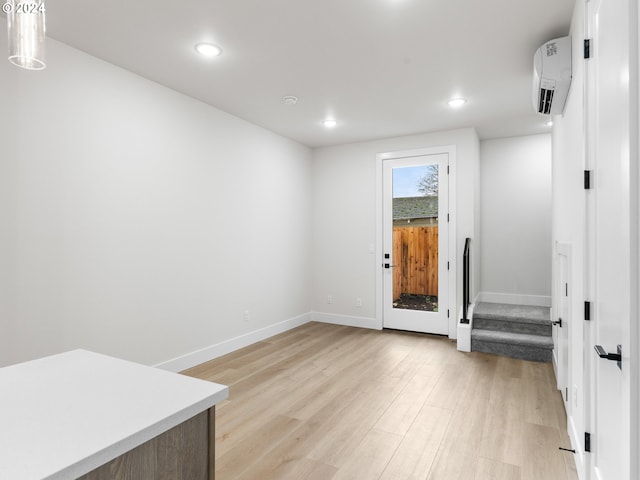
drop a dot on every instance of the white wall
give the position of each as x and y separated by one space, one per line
515 219
344 227
8 149
568 225
138 222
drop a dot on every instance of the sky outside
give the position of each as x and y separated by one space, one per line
405 181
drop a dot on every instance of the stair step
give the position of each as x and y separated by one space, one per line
513 326
517 313
516 345
512 318
540 341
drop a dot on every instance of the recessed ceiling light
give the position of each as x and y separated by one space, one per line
329 123
208 49
457 102
290 99
549 123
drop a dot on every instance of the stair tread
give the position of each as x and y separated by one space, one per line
542 341
513 313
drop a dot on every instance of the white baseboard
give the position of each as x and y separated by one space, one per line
346 320
554 363
203 355
515 299
576 443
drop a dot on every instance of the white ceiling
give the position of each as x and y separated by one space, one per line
382 68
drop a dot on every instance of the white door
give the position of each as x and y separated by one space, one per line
608 114
415 243
562 321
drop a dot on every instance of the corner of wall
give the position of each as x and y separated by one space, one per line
212 352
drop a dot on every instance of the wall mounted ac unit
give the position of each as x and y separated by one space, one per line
552 76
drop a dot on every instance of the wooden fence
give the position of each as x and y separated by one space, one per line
415 256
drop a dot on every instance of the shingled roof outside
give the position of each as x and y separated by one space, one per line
408 208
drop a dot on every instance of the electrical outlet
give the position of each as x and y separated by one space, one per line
358 302
246 315
329 298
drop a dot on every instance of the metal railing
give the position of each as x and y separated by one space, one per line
466 279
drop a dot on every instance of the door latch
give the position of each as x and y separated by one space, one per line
386 265
559 323
616 357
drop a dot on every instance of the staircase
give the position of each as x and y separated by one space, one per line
516 331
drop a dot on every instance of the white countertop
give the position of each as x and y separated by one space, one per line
65 415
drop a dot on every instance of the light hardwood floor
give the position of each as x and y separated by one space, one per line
332 402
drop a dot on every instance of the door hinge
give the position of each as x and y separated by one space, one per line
447 169
566 394
587 442
587 179
447 313
587 48
447 218
566 289
447 265
587 311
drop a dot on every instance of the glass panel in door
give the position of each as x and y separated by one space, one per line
415 238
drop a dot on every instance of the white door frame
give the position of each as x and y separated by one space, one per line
450 150
562 335
628 431
634 152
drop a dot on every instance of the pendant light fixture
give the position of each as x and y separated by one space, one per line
26 27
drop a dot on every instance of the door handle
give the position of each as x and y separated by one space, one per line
559 323
616 357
